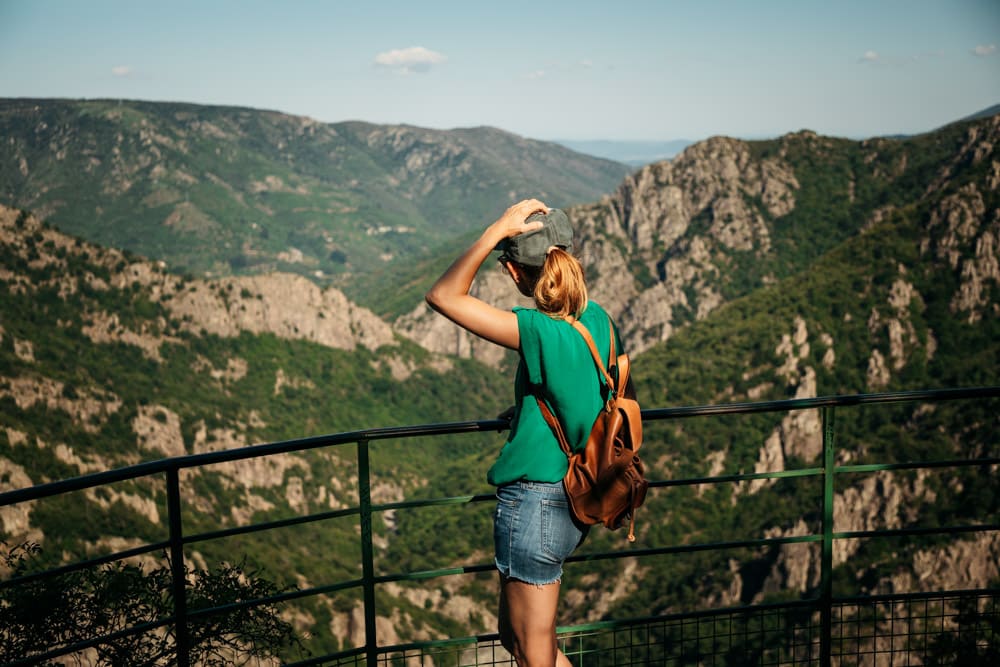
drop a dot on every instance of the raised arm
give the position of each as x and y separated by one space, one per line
450 294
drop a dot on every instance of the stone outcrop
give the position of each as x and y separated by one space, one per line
14 519
894 327
438 334
800 431
658 249
88 408
672 222
287 305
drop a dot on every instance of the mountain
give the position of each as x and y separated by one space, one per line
107 359
985 113
726 217
738 271
794 268
224 190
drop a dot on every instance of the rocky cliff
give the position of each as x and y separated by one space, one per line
673 243
225 190
738 271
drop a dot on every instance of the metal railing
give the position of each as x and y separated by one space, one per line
819 629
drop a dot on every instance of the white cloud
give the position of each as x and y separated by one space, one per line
870 57
413 59
985 50
537 74
121 70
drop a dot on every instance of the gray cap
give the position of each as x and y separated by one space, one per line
530 248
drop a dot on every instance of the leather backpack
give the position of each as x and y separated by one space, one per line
606 481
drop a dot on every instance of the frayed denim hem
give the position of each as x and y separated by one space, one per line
539 584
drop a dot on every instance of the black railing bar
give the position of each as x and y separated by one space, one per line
257 452
432 574
563 630
317 590
440 643
270 525
780 474
286 596
847 400
389 432
921 595
322 659
431 502
902 532
483 497
683 615
688 548
208 611
473 569
82 565
599 625
953 463
159 466
812 472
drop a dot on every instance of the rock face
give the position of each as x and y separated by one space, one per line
215 188
658 252
670 221
286 305
438 334
679 220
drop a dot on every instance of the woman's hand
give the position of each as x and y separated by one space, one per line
514 219
450 294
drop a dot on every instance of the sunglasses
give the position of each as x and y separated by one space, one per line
502 260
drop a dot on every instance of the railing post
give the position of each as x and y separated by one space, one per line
826 558
367 552
177 567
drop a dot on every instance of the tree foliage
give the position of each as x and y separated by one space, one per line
117 612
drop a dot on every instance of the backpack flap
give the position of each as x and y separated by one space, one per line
605 482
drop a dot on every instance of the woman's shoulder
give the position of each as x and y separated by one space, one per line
594 312
594 317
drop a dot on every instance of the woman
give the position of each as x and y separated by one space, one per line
533 529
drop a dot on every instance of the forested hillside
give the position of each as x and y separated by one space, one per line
679 239
225 190
739 271
107 360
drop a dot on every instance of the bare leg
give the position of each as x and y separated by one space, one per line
528 623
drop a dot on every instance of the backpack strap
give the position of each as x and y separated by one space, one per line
550 418
556 427
612 352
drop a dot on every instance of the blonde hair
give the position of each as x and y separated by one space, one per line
561 290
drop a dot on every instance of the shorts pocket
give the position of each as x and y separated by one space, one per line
560 535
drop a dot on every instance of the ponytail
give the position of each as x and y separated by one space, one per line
561 290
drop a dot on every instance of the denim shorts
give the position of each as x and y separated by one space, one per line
533 531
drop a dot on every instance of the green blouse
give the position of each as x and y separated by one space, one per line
556 365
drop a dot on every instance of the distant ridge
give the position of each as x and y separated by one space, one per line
215 190
633 153
985 113
738 271
640 153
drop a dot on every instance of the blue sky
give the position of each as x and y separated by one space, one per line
626 70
